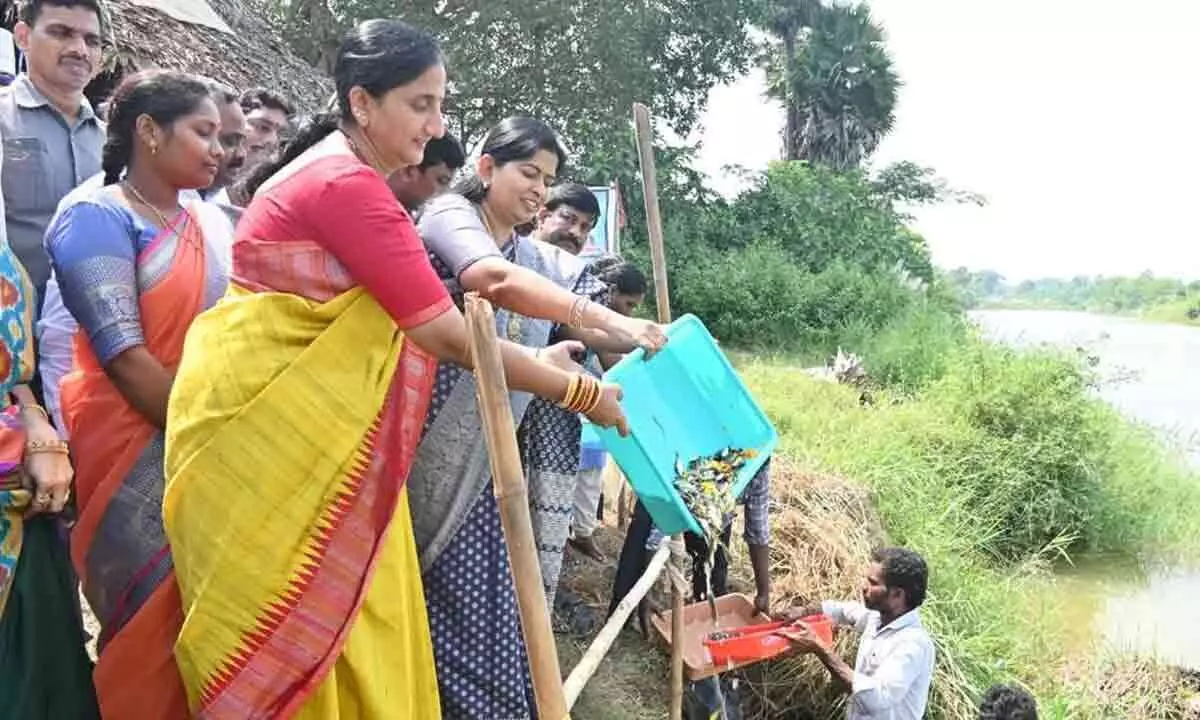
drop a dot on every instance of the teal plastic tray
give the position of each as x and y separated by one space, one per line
685 402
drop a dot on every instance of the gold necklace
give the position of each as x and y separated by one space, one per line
142 199
371 161
516 321
487 224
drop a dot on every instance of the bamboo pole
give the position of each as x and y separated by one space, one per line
508 481
590 661
658 256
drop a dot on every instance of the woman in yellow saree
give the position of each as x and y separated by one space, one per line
297 409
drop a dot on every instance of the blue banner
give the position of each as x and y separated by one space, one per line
604 240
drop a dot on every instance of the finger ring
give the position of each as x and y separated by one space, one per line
42 499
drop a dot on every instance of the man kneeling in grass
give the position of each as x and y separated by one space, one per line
892 672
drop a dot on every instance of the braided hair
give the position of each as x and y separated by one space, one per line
164 95
620 275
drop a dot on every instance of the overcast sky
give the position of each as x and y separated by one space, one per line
1077 119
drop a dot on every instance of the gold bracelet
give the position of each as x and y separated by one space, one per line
588 397
37 409
593 399
58 447
578 308
577 392
569 395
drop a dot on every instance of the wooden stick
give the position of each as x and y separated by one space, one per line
608 634
658 256
508 481
677 634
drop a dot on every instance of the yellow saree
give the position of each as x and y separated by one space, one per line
293 421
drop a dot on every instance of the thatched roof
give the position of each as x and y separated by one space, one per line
253 56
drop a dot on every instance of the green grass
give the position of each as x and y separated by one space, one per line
994 465
1174 312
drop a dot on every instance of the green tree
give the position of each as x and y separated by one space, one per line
784 19
579 66
833 74
908 182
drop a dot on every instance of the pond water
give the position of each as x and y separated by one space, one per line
1151 372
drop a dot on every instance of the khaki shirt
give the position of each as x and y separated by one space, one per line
45 157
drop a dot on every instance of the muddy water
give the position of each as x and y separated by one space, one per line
1154 374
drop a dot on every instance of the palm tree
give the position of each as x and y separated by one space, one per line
835 78
784 19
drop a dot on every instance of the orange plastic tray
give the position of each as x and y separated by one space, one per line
755 643
733 611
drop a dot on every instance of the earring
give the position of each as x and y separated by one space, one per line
154 148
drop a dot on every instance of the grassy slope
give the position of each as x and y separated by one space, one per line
924 463
993 621
1173 312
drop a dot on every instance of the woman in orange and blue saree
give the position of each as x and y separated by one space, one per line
297 409
134 269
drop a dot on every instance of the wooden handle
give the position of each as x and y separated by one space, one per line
658 255
508 481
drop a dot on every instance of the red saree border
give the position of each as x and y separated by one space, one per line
290 652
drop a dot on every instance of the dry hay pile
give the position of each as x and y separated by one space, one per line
823 529
1140 689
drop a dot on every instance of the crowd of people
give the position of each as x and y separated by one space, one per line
239 408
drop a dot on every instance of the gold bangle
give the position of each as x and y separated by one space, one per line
569 395
37 409
59 447
585 394
578 308
588 397
593 399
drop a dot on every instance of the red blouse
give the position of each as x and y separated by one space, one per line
346 207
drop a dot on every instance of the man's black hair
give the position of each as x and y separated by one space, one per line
906 570
445 150
30 10
1007 702
575 196
263 98
222 94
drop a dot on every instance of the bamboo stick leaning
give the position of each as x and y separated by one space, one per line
508 482
590 662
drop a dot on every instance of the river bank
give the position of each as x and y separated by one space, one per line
1035 501
995 471
1000 467
1184 311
